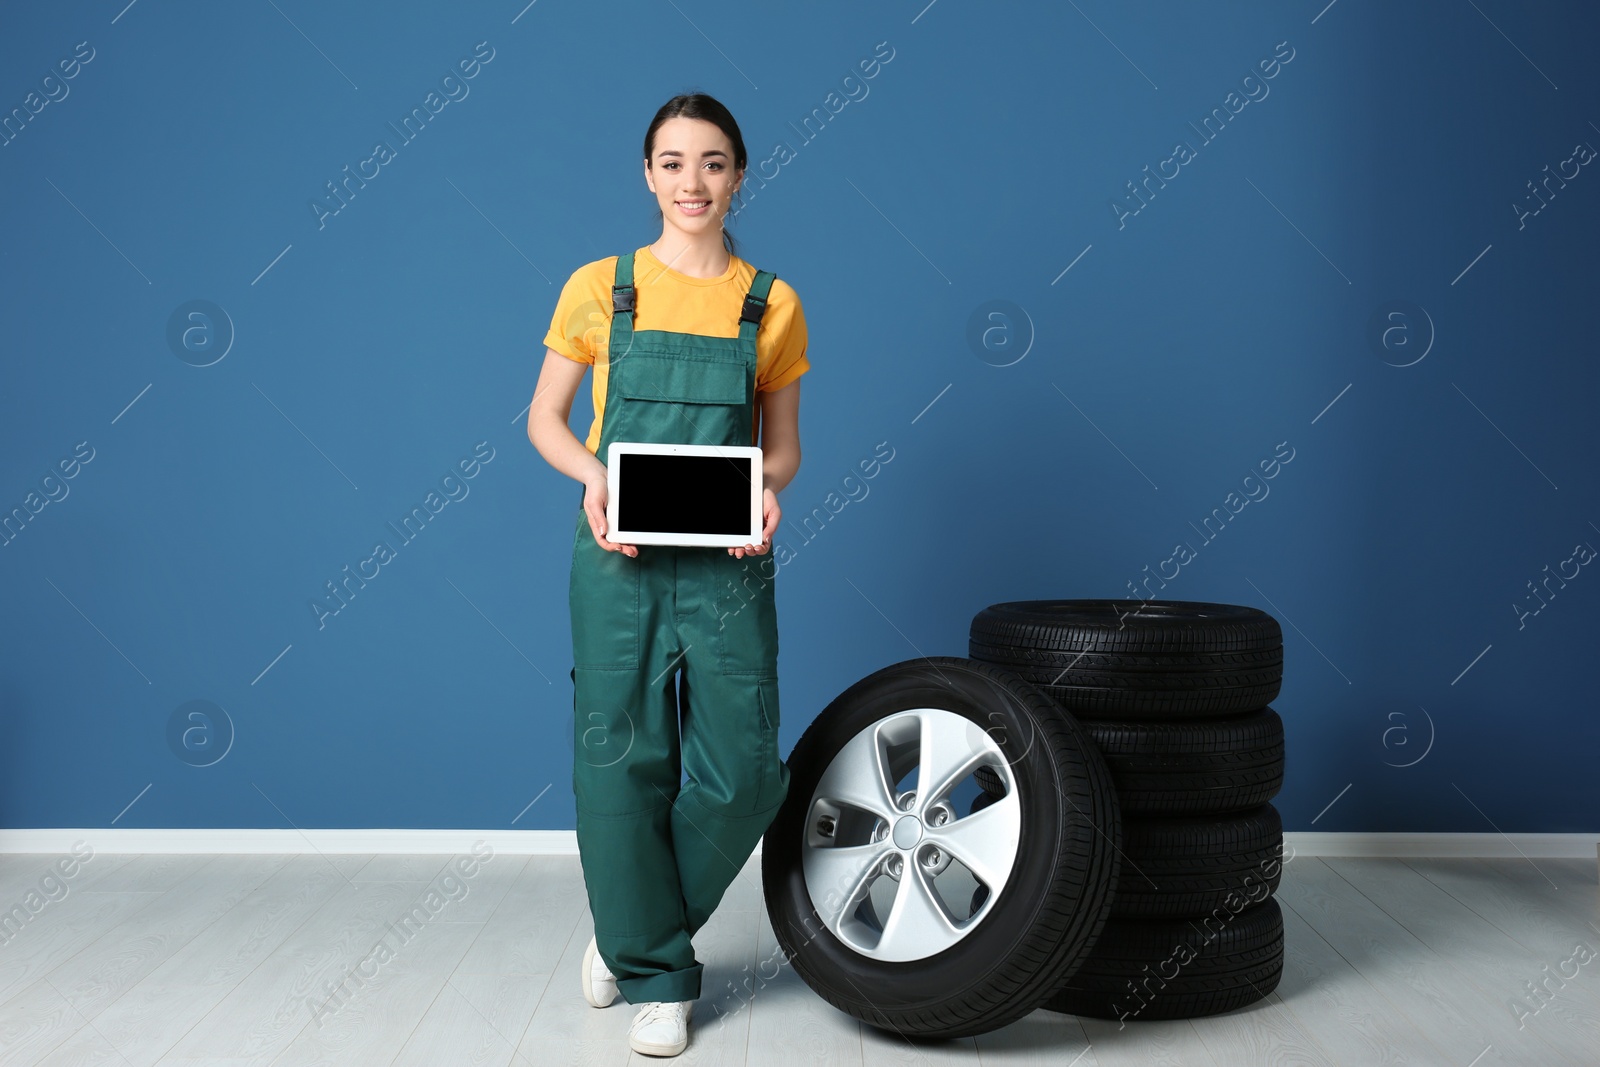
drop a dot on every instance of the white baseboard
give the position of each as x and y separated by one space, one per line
1465 846
293 842
564 842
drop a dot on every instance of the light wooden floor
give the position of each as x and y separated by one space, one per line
228 960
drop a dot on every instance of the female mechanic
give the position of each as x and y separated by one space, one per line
675 649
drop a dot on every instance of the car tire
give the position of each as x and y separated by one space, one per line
1177 969
1184 868
1128 659
899 956
1195 767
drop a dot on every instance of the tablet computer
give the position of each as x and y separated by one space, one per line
705 495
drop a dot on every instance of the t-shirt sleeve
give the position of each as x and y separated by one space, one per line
787 321
579 312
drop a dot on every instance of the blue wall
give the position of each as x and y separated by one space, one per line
1360 211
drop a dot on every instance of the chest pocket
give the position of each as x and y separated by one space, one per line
683 380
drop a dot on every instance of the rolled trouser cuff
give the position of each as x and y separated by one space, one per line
669 986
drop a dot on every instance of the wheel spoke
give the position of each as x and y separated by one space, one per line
986 841
836 876
951 746
856 777
917 925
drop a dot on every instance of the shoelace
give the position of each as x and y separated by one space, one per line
662 1011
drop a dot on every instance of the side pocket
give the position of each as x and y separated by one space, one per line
774 772
746 611
603 599
768 688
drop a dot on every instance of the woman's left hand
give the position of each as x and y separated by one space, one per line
770 513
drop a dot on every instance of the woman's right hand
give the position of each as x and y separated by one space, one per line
594 507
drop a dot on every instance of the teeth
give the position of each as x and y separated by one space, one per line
693 203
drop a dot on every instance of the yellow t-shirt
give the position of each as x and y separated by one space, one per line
666 299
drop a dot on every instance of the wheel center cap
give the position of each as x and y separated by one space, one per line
907 832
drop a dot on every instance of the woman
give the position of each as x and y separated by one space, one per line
669 354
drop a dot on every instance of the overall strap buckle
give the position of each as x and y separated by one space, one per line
621 299
755 302
754 308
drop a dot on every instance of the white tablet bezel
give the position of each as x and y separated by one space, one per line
749 454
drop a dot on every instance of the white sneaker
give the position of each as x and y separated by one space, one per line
599 984
661 1028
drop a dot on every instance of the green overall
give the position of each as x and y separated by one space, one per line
658 851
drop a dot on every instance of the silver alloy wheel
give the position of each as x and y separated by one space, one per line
891 868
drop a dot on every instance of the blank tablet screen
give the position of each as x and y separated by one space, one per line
683 494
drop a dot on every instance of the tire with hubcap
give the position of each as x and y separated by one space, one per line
947 852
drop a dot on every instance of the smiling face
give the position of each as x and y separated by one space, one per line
692 175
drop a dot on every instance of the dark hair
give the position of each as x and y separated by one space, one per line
699 106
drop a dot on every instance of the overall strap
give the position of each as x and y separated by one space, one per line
623 297
622 302
755 305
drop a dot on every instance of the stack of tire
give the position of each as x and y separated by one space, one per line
1175 695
